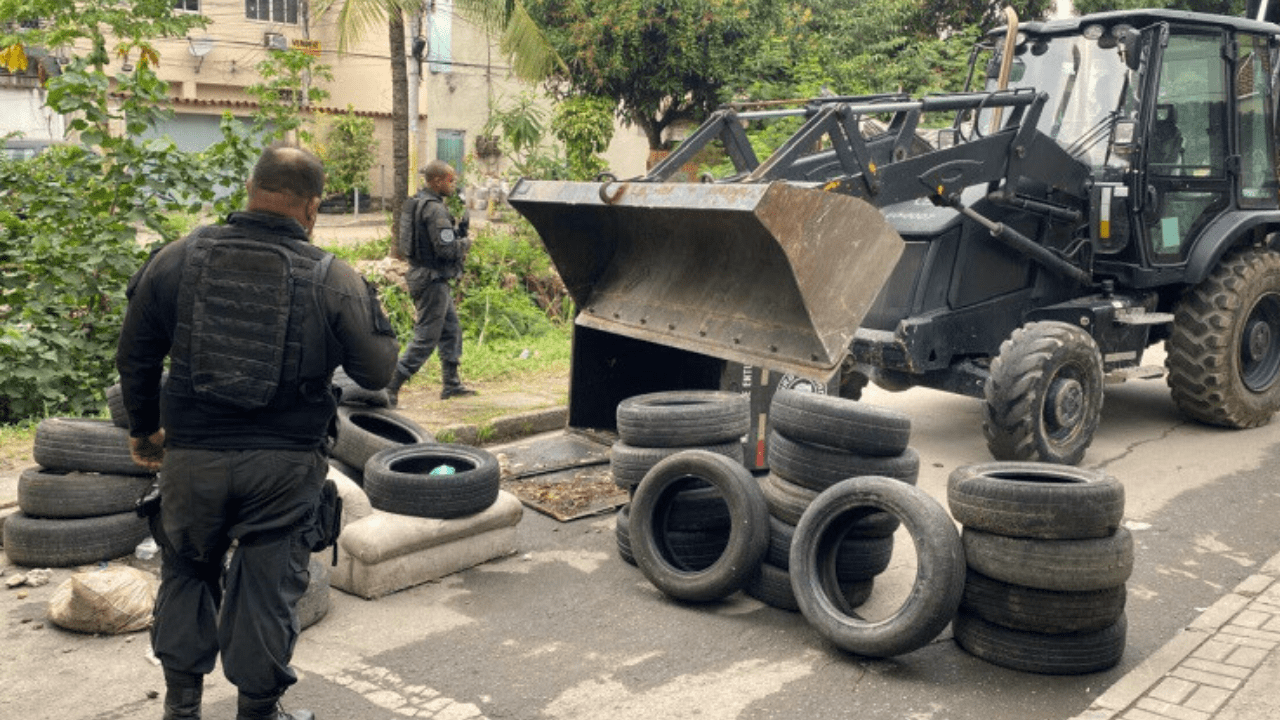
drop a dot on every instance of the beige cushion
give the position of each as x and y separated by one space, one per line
384 552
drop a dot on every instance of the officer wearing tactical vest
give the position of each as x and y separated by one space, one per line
254 319
436 247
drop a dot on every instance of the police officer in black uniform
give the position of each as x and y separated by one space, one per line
254 319
437 256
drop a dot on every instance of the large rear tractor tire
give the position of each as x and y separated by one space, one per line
1044 394
1224 351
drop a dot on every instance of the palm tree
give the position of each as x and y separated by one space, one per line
355 17
531 56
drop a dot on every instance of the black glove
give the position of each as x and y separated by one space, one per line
464 223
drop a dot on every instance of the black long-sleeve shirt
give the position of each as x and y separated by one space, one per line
368 350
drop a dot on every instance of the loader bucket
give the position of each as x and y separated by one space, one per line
773 275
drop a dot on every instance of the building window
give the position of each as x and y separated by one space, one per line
440 36
277 11
187 5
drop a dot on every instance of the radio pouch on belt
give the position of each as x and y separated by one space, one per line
328 520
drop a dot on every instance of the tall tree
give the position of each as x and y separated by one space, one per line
354 19
663 62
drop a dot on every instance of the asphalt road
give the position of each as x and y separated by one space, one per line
566 630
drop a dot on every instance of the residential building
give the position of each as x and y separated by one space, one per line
463 77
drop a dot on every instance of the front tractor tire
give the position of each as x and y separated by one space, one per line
1223 354
1044 394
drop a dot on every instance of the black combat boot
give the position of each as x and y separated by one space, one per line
453 386
182 696
393 388
267 708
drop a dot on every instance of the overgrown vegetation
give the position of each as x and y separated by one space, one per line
70 218
513 308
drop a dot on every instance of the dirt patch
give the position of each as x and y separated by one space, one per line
571 494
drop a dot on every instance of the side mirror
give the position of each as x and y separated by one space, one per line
1131 48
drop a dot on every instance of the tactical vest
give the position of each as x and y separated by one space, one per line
251 332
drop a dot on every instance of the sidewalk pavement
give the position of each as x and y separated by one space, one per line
1224 666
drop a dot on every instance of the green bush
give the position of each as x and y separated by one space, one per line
64 262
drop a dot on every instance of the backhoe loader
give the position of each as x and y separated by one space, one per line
1105 183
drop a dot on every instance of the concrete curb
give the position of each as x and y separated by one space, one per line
1199 671
507 427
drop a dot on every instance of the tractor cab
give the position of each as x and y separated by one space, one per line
1174 115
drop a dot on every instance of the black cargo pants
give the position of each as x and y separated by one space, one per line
435 323
246 608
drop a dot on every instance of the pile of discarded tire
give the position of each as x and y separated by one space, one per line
77 506
1047 564
816 441
655 426
401 467
367 425
825 559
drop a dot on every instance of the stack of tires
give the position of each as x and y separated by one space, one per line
1047 564
367 425
77 506
816 441
655 426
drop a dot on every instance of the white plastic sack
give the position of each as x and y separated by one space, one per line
112 601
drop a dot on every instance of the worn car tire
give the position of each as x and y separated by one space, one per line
1051 612
748 535
365 431
1065 654
353 394
84 445
115 403
314 603
787 502
628 463
818 468
683 418
1224 350
46 493
398 480
859 558
1070 565
622 534
698 509
1044 394
1036 500
940 567
772 586
839 423
115 406
66 542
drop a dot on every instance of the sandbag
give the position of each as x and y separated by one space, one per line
113 601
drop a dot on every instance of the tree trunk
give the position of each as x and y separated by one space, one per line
399 118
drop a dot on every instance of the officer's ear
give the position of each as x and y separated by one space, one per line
312 211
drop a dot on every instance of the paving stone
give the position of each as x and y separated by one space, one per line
1206 678
1207 699
1173 690
1247 657
1177 712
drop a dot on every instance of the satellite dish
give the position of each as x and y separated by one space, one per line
201 46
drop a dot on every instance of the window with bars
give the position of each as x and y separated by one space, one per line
278 11
187 5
